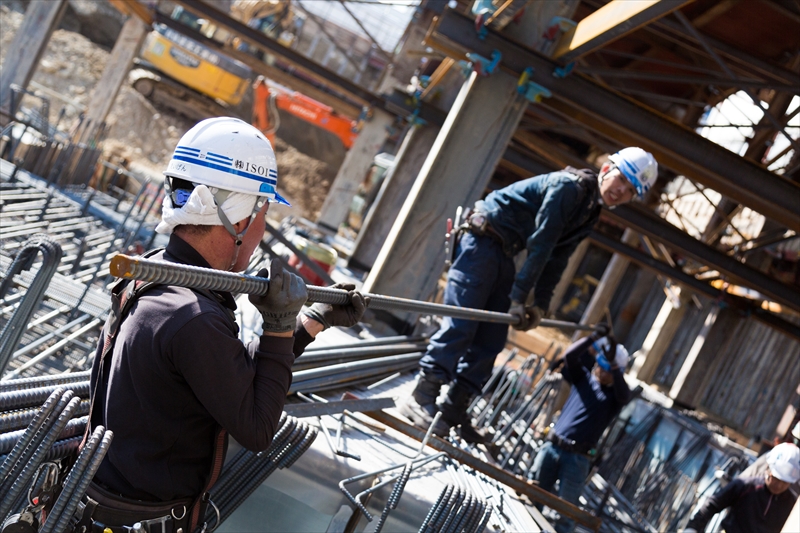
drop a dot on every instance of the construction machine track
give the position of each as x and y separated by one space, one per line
165 92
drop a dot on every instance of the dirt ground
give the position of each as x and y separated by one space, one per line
136 130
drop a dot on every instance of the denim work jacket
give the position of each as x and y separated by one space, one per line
549 215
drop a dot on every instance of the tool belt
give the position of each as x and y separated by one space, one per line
571 446
478 223
104 512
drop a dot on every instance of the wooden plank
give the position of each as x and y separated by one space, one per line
29 43
612 21
119 64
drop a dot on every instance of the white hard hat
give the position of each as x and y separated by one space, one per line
784 462
603 347
228 154
796 431
638 166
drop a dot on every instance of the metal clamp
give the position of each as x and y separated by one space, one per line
483 66
532 91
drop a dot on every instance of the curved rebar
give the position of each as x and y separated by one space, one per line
14 328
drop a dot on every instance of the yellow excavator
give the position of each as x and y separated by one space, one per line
186 76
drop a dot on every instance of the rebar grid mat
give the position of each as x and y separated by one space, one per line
63 330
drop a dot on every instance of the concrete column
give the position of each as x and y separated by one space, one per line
456 172
647 359
30 42
354 168
612 276
568 275
393 193
126 48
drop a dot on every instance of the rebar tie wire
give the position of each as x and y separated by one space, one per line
127 267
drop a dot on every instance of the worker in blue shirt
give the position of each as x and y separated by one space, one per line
593 367
547 215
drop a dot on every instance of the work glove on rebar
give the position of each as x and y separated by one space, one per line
529 316
345 315
284 299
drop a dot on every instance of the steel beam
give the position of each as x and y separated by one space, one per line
629 122
612 21
686 79
656 228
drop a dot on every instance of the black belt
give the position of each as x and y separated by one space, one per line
571 446
106 511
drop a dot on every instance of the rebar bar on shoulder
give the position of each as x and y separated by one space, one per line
127 267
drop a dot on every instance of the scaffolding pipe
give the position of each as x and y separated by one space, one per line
127 267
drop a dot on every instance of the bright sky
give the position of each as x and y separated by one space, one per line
386 20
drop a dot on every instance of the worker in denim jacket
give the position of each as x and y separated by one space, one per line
547 215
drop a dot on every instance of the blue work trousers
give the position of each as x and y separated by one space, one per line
571 471
464 351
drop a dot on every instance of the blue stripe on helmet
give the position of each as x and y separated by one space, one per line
235 172
213 159
221 156
630 171
188 149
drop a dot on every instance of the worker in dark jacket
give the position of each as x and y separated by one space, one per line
760 503
594 369
177 379
546 215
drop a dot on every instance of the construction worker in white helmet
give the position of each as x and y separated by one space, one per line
171 378
593 367
547 215
761 503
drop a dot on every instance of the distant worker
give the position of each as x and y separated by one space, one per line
173 379
761 503
759 468
547 215
594 368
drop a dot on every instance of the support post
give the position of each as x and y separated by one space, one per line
469 146
354 167
116 71
30 42
612 276
567 276
647 359
393 193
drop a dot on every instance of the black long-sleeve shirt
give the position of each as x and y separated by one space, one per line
752 508
590 406
179 372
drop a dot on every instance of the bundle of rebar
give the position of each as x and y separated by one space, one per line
247 470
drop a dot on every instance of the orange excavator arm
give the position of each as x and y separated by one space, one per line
267 102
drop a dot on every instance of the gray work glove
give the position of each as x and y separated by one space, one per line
346 315
284 299
529 317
